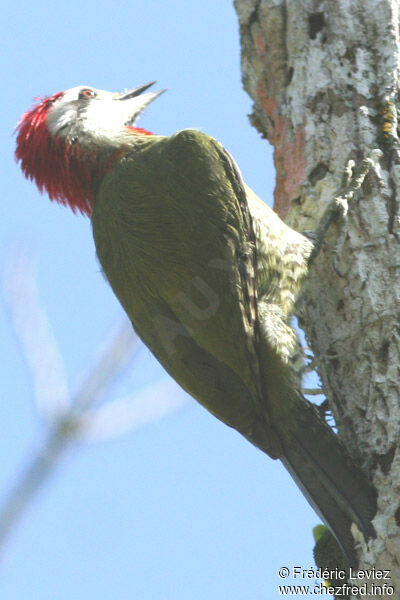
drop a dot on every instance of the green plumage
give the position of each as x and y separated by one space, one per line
170 253
209 275
328 557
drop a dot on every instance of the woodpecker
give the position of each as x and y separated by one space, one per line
207 273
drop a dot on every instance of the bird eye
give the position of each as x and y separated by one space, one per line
87 93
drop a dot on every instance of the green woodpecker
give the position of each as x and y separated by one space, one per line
207 273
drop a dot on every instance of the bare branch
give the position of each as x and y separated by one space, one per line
70 419
114 355
148 405
34 334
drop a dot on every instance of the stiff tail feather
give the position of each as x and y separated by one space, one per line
332 483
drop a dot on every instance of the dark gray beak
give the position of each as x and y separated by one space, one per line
139 90
135 101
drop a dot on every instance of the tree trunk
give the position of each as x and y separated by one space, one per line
324 79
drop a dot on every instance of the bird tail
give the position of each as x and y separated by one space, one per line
333 484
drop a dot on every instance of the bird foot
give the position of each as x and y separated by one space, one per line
337 209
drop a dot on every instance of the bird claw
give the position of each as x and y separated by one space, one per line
336 268
310 234
338 207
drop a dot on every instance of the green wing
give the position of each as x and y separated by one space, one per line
174 236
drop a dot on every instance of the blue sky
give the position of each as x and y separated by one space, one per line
182 507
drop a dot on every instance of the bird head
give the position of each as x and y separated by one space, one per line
67 141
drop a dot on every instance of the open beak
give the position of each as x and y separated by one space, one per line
136 91
138 100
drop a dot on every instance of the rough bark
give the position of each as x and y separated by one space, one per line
324 79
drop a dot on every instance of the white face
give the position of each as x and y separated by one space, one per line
86 112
